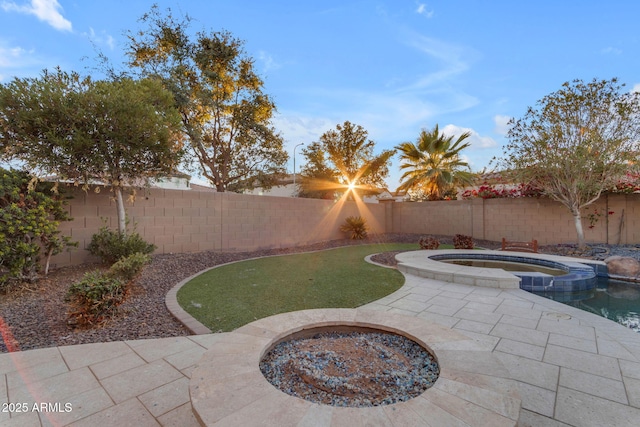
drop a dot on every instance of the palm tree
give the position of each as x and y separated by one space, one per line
433 165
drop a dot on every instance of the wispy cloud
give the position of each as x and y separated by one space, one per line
101 39
422 10
299 128
10 56
268 61
296 128
453 59
611 51
502 124
636 88
13 58
391 113
394 110
45 10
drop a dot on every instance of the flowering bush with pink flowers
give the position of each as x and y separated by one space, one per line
490 191
628 184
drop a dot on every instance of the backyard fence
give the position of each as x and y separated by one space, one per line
192 221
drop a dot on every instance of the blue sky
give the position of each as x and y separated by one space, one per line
391 66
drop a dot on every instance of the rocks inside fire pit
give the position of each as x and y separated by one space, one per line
353 369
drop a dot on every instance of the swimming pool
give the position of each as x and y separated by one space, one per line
615 300
586 285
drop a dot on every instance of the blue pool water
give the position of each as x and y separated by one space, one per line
583 285
613 299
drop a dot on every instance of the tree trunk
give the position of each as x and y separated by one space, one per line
122 218
48 262
577 219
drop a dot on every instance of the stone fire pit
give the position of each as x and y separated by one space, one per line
228 388
353 367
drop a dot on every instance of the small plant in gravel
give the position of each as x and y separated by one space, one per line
95 298
460 241
111 245
355 227
129 267
428 242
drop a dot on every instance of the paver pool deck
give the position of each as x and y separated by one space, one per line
572 367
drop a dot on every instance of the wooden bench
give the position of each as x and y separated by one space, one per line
531 246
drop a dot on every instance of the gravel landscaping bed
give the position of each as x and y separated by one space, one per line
36 317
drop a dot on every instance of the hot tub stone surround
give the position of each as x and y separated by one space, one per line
228 389
581 274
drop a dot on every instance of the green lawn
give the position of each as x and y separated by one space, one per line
233 295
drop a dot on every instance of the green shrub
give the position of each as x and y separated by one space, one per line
30 213
460 241
111 245
95 297
129 267
428 242
355 227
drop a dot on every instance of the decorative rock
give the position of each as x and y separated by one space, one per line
623 266
237 393
351 369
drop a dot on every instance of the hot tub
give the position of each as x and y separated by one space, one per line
578 274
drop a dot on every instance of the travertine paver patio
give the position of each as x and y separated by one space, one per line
228 388
572 367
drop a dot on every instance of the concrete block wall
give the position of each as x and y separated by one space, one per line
440 217
193 221
542 219
525 219
624 222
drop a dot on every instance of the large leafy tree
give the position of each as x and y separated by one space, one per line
225 113
433 166
118 132
343 160
577 143
319 179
